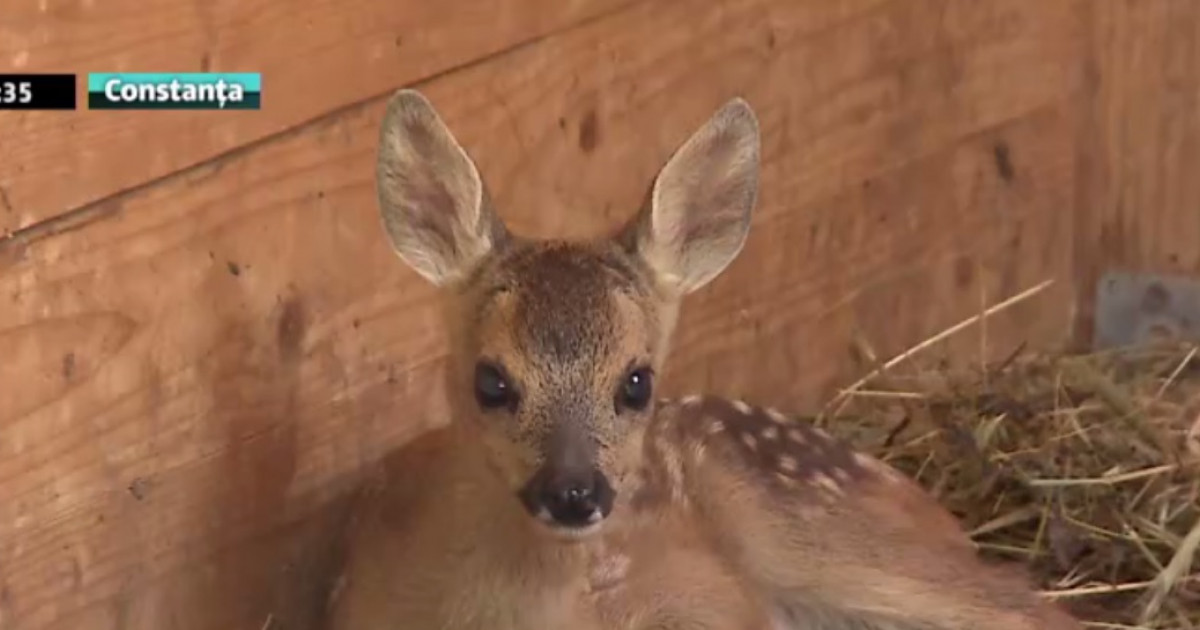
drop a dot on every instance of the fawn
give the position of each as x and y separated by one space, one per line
563 494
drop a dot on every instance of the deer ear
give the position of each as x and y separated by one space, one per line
699 209
433 202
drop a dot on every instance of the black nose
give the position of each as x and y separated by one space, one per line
574 503
570 499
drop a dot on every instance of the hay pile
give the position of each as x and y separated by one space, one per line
1085 467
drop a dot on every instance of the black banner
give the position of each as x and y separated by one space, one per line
37 91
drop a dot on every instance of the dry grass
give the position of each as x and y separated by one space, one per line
1085 467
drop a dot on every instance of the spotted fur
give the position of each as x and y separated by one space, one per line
770 445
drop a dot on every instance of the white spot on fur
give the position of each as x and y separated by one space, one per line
749 441
776 415
780 621
840 475
827 482
866 461
797 436
787 463
678 495
878 467
742 407
339 586
674 469
870 463
770 434
715 426
690 401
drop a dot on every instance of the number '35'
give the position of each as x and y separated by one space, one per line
16 92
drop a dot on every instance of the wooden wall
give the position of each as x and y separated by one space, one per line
1138 205
204 337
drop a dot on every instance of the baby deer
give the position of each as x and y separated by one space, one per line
563 495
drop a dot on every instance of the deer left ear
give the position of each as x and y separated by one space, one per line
699 212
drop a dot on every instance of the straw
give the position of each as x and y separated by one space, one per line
1086 468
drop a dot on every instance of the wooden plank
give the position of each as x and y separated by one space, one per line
200 374
1139 143
315 56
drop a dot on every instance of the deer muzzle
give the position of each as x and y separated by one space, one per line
572 499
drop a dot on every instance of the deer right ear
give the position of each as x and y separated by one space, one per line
431 197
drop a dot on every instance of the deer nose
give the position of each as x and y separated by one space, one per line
573 506
574 499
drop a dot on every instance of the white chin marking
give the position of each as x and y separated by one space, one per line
595 522
577 533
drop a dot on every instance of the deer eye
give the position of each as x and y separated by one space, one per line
636 390
492 388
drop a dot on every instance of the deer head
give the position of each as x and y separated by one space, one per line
557 344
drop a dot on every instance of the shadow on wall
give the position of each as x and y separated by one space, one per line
266 558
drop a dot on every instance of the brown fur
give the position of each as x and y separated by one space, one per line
726 516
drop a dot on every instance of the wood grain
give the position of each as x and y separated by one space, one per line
204 370
1139 143
315 56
